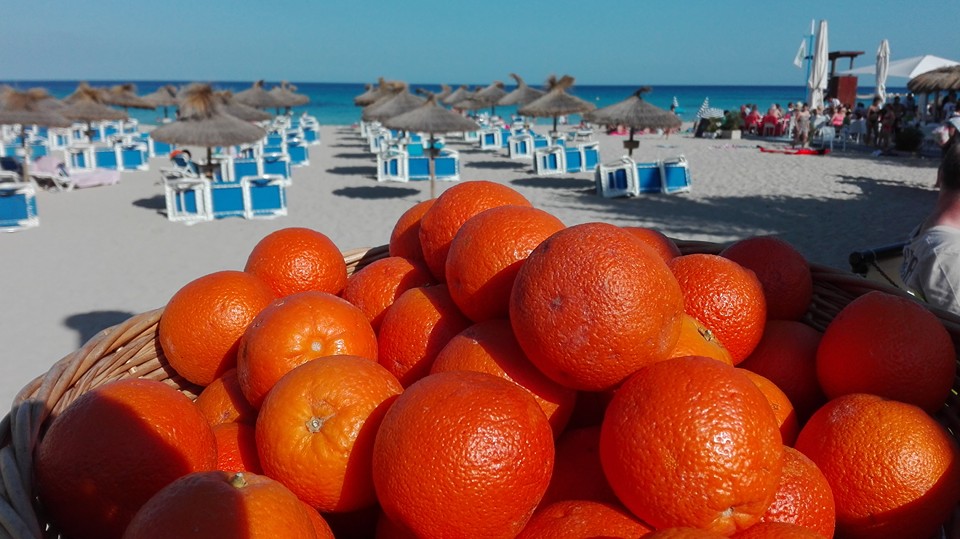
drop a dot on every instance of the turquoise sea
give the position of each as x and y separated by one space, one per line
332 103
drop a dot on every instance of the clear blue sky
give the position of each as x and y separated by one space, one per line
432 41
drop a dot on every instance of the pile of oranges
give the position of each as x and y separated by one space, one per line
501 374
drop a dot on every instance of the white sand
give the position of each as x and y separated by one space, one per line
105 253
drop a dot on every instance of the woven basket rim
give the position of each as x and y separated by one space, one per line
128 349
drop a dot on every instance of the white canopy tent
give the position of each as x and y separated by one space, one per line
906 68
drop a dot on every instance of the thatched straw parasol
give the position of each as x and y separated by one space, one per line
125 95
490 96
431 118
85 104
556 102
456 96
393 106
521 95
634 113
943 78
444 91
165 96
286 94
202 122
257 97
234 108
28 108
384 88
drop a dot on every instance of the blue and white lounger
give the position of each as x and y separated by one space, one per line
18 206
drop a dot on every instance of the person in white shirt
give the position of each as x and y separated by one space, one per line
931 257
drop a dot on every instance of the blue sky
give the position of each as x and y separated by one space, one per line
433 41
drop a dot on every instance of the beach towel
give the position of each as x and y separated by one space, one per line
796 151
80 178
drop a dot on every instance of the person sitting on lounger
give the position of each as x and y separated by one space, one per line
931 257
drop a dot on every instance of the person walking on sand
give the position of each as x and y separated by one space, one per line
802 129
873 122
931 257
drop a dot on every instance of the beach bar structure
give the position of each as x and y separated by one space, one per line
842 87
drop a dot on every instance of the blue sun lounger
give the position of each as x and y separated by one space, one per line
18 206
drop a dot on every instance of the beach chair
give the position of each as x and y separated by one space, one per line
265 197
299 153
134 157
392 166
826 135
276 164
520 146
242 167
573 159
649 177
446 167
549 160
18 206
186 198
155 148
471 136
617 179
56 180
80 157
589 155
227 199
676 175
491 138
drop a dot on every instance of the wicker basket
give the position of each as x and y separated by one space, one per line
130 350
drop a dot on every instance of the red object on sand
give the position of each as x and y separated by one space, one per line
800 151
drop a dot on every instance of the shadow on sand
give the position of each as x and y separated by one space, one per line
860 221
498 165
87 325
157 203
354 171
374 192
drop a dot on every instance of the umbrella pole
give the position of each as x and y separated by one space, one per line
210 162
25 169
432 152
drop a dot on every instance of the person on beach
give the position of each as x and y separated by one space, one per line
931 257
873 121
801 133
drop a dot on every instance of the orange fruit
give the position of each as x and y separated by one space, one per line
787 356
490 347
781 269
453 207
803 497
296 259
663 245
888 346
223 402
779 530
692 442
414 330
294 330
725 297
696 340
592 305
201 325
893 470
379 284
405 237
575 519
577 472
782 409
462 454
487 253
316 430
112 449
220 504
682 533
237 448
320 526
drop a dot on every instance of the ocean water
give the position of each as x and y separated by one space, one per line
332 103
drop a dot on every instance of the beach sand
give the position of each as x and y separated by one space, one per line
103 254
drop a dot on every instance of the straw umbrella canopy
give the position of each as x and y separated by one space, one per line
634 113
28 108
456 96
521 95
392 106
431 118
490 96
165 96
237 109
286 94
257 97
202 122
373 93
445 90
86 104
944 78
557 102
125 95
